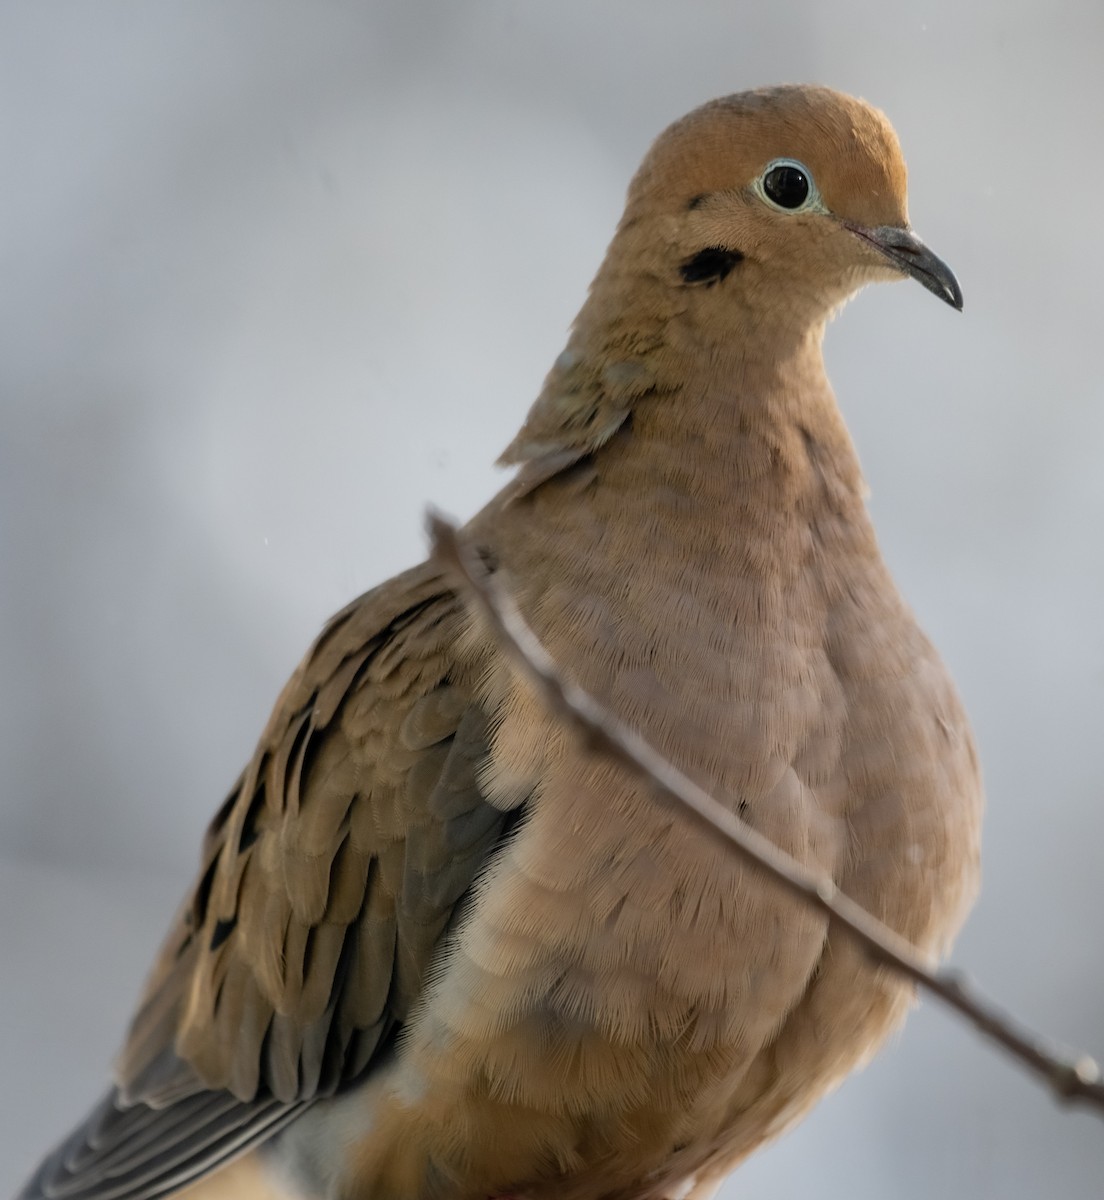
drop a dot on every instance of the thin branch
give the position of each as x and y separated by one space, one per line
1072 1077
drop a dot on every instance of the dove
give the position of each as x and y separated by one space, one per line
437 949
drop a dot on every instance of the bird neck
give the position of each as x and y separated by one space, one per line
737 456
754 399
733 374
750 442
707 410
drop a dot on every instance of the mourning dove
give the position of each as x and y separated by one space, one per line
439 951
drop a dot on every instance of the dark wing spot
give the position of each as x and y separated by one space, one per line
203 895
249 830
222 930
709 266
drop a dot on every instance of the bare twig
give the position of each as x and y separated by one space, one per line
1071 1077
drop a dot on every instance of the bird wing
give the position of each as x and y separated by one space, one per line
328 878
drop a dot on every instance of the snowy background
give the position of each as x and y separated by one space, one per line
275 275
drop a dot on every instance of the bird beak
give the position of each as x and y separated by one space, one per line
909 254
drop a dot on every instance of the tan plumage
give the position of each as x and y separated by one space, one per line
438 952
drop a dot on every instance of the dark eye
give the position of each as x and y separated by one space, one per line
787 185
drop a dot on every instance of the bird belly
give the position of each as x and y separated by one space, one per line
597 1010
627 1005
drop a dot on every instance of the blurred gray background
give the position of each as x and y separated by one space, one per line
275 275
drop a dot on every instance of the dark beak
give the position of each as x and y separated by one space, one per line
907 252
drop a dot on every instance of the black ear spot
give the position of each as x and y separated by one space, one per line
710 265
696 201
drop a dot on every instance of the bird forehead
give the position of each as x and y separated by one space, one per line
847 145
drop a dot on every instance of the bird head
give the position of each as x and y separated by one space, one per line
792 197
750 221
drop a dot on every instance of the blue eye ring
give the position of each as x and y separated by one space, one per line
788 186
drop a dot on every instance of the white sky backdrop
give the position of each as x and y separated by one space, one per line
274 275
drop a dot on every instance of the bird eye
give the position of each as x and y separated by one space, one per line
787 184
